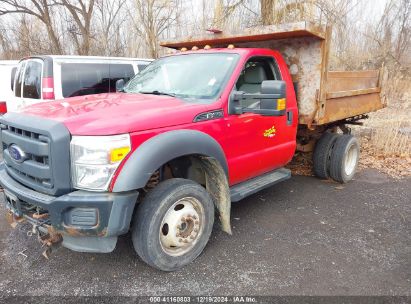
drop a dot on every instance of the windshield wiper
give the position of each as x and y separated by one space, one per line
159 93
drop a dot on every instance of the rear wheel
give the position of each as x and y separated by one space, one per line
322 154
173 224
344 158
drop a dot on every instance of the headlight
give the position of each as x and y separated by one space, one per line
94 159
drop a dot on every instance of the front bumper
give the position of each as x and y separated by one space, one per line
87 221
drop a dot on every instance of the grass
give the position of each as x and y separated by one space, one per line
386 136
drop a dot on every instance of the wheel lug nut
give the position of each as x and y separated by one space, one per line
197 222
192 237
180 240
194 217
196 230
185 241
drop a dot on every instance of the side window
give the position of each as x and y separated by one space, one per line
79 79
32 80
120 71
255 71
19 79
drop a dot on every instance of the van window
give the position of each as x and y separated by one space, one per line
120 71
141 66
79 79
19 79
32 80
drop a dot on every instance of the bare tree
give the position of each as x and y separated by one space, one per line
40 9
82 13
393 33
268 8
111 18
154 17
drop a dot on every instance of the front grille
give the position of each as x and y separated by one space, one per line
44 167
35 169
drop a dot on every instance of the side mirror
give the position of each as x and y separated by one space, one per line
120 85
13 75
270 102
274 87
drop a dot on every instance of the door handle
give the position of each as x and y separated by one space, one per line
289 118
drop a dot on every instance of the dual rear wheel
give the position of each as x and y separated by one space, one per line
336 156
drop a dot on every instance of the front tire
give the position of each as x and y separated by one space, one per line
172 224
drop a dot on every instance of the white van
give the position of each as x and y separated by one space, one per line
45 78
7 67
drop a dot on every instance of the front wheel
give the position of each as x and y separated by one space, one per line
172 224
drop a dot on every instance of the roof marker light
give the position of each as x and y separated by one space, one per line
230 46
194 48
207 47
183 49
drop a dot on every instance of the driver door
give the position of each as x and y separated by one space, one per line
256 142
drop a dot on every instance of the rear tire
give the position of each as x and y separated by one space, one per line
322 154
173 224
344 158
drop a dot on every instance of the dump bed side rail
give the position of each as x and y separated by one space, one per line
351 93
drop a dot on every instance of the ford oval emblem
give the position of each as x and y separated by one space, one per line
16 153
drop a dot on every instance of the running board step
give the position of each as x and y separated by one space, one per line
244 189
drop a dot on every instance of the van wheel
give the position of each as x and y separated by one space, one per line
173 224
344 158
322 154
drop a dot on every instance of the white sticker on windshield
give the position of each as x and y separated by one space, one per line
230 58
212 81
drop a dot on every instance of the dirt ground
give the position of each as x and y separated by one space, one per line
302 237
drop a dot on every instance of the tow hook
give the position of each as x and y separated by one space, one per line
13 220
52 240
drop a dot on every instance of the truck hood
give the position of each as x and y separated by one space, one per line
116 113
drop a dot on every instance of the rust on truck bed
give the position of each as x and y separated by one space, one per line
254 34
323 96
351 93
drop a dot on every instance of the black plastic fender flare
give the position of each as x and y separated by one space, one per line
160 149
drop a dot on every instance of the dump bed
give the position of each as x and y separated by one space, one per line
323 96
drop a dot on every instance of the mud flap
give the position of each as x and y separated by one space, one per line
217 186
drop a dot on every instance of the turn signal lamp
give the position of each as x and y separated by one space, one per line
118 154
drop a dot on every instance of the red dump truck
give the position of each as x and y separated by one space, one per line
192 133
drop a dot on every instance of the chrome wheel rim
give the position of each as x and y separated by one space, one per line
351 159
182 226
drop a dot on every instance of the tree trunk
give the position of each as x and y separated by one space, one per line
218 19
267 11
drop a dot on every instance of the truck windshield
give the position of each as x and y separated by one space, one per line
191 77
